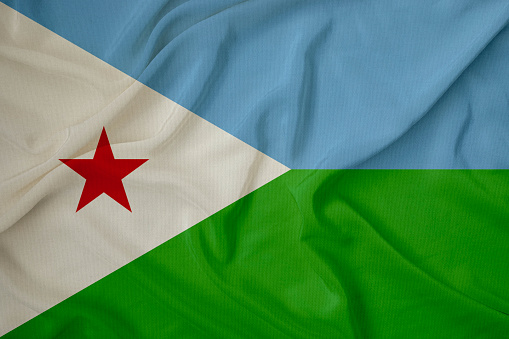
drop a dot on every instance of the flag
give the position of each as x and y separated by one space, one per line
392 116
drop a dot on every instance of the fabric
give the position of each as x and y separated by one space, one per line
317 254
54 101
317 84
223 97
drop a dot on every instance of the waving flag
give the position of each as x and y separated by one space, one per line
392 115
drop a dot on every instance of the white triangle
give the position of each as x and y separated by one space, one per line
55 99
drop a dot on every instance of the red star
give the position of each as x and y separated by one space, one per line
103 173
